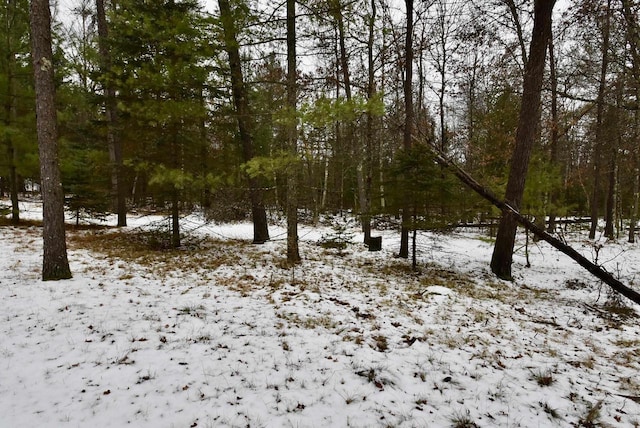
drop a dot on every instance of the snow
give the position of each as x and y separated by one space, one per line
225 334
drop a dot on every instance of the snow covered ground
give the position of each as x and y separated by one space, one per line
222 334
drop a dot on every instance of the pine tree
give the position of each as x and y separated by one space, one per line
159 65
55 263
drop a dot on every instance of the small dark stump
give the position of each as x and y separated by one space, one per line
375 243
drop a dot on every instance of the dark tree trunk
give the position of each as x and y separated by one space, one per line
525 137
245 120
365 201
293 251
555 134
633 218
611 195
599 134
10 109
408 122
55 264
175 219
633 37
176 164
113 139
11 150
365 217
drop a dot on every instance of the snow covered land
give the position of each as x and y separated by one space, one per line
221 333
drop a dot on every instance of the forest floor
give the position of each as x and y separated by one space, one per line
221 333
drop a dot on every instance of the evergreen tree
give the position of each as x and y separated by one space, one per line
160 54
17 121
246 122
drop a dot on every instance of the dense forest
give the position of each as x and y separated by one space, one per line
244 109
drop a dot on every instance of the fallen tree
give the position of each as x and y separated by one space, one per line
507 210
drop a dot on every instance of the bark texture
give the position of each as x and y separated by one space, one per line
528 121
293 251
55 264
408 121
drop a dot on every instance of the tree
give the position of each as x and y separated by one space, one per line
363 197
633 37
111 117
598 144
246 126
408 119
55 264
159 65
293 251
525 136
14 24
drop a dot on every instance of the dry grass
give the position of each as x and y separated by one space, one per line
120 246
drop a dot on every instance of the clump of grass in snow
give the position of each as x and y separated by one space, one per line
553 413
381 342
543 377
463 420
375 376
592 418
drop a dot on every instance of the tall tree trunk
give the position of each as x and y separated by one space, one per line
633 37
633 218
245 120
352 141
612 173
12 155
408 121
525 137
599 135
366 154
293 252
10 106
555 134
176 164
111 112
55 265
175 218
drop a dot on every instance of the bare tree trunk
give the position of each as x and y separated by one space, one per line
408 121
352 141
55 264
611 194
555 134
525 137
633 220
293 251
245 121
10 114
111 113
177 163
597 156
633 37
10 107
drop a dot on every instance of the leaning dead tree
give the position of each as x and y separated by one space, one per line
508 210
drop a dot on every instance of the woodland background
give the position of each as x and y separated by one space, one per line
175 107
